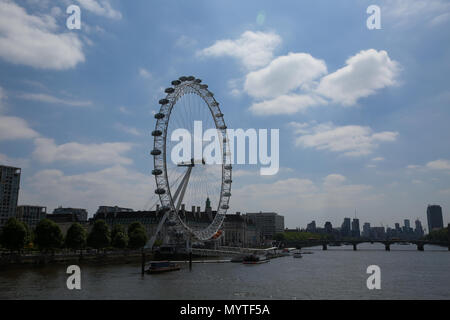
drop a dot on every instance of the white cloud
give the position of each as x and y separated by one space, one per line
2 99
286 104
234 85
365 72
302 199
410 13
56 12
244 173
378 159
116 185
104 153
125 110
350 140
254 49
292 83
333 180
281 188
255 173
130 130
42 97
101 8
440 19
32 40
440 164
14 128
284 74
185 42
13 162
144 73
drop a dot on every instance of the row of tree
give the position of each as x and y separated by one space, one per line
439 235
16 235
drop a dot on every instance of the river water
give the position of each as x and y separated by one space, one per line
338 273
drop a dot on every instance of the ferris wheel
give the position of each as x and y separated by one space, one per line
187 184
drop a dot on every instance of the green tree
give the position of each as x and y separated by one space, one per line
76 237
116 229
14 235
99 237
48 235
135 225
300 236
29 237
120 240
137 235
438 235
119 237
279 237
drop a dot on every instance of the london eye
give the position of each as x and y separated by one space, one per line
186 184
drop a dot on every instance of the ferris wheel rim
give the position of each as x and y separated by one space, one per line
181 87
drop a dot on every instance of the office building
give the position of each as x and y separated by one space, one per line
407 230
82 214
240 231
109 209
268 223
356 232
65 221
419 229
434 217
311 227
377 233
407 223
328 227
9 192
31 215
346 228
366 230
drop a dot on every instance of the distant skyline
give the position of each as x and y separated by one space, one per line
363 114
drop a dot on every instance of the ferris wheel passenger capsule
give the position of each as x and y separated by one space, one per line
156 172
155 152
156 133
160 191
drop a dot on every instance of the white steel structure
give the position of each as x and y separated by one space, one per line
190 182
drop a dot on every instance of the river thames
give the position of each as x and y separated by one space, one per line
338 273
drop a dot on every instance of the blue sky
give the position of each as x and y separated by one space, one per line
363 114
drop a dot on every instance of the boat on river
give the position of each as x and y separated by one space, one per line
162 266
254 259
238 258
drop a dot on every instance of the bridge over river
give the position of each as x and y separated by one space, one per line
387 243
